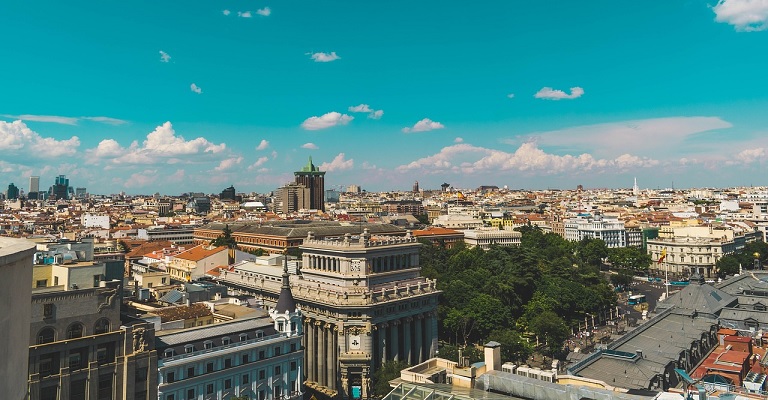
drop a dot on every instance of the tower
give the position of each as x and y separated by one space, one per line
60 188
313 179
635 188
34 184
286 314
416 187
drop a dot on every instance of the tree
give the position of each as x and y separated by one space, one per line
727 265
550 327
225 239
592 252
513 346
389 370
629 258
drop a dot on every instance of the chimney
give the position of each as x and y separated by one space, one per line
492 356
639 353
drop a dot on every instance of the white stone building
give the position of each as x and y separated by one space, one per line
609 229
485 237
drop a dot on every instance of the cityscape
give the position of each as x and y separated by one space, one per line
352 201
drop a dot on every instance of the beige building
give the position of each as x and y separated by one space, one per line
486 237
193 263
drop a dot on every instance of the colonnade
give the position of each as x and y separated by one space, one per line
321 344
411 339
324 263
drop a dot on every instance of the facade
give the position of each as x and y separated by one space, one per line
228 193
364 302
440 236
485 238
95 221
12 193
34 184
81 193
195 262
178 235
15 275
292 198
313 179
199 205
403 207
60 188
79 349
610 230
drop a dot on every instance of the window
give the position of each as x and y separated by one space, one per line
101 326
245 379
168 353
170 397
261 355
244 359
190 372
105 353
209 367
278 350
225 340
77 390
277 370
293 365
227 383
46 335
277 391
188 348
140 375
228 363
262 374
259 334
209 388
171 377
105 387
48 310
262 394
293 346
96 279
41 283
75 331
243 337
208 344
190 394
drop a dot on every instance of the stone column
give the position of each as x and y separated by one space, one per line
432 339
381 338
394 343
330 379
407 345
309 351
419 339
320 353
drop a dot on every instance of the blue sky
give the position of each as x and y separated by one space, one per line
160 96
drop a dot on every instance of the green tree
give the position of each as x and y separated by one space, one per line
225 239
727 265
513 346
552 329
389 370
592 252
629 258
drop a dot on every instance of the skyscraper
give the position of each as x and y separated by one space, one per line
12 193
60 188
313 179
34 184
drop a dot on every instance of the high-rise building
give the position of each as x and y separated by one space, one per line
313 179
12 193
34 184
60 188
292 197
80 193
416 187
228 193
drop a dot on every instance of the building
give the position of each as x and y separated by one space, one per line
95 221
415 188
199 205
179 235
440 236
487 237
60 188
81 193
15 294
313 179
228 194
363 301
80 349
586 226
34 184
259 356
293 197
194 263
403 207
332 196
12 193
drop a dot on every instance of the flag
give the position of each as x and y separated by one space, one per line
663 255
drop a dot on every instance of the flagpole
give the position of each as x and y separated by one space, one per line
666 277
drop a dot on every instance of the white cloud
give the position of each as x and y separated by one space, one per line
262 145
228 164
326 121
310 146
261 161
467 159
744 15
424 125
338 164
226 12
511 96
365 108
244 14
265 12
164 57
458 140
324 57
17 136
547 93
44 118
195 88
161 146
141 179
274 154
750 156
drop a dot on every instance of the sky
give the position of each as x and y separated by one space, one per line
162 96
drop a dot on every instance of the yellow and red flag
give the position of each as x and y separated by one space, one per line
663 255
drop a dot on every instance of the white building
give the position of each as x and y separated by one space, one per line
95 221
486 237
609 229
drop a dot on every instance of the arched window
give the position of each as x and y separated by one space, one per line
75 331
46 335
101 326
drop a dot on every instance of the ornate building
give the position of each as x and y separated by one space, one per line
313 179
364 302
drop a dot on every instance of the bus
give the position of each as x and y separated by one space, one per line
636 299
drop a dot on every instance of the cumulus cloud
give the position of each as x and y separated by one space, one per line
57 119
263 145
458 140
750 156
164 57
228 163
195 88
424 125
310 146
548 93
365 108
467 159
244 14
744 15
226 12
161 146
261 161
265 12
324 57
141 179
16 137
338 164
326 121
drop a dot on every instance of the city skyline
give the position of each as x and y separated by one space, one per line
163 99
